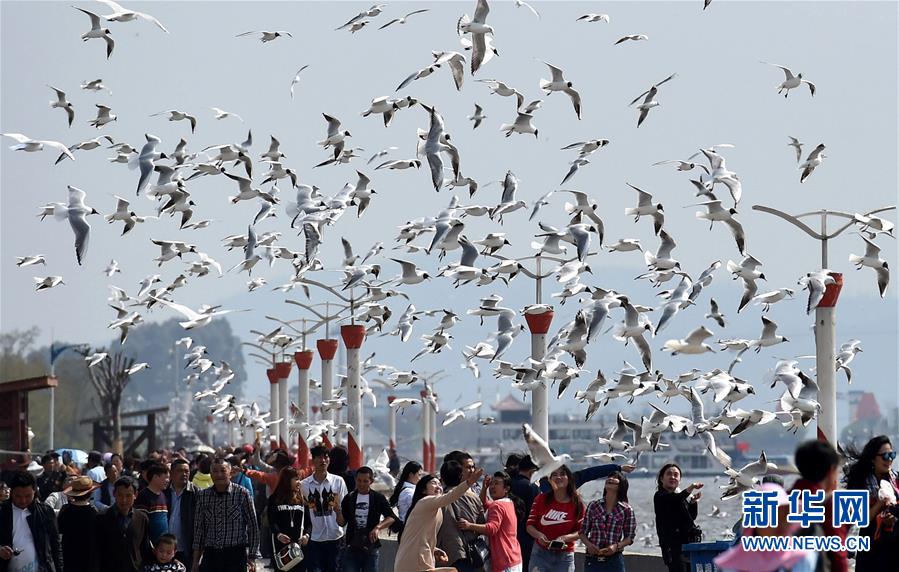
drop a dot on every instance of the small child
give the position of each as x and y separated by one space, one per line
165 550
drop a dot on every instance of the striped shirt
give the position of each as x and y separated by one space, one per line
224 520
157 511
604 528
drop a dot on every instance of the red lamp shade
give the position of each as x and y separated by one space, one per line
327 348
304 359
832 292
353 336
539 323
283 369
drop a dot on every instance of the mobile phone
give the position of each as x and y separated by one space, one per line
556 545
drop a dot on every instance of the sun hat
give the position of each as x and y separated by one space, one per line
35 468
80 487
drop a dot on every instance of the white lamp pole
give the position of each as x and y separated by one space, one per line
825 315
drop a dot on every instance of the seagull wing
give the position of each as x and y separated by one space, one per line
575 100
787 72
188 313
540 453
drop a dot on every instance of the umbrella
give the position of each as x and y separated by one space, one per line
79 456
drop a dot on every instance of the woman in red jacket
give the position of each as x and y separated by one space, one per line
555 522
502 524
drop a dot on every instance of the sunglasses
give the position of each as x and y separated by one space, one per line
888 456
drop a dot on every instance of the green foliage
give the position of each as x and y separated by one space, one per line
154 387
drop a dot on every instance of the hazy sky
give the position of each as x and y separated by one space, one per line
722 95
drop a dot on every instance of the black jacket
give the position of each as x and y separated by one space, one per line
674 517
291 520
378 508
122 550
78 527
526 492
42 522
188 501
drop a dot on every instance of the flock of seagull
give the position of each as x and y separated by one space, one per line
164 179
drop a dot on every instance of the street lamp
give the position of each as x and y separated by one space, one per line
825 318
327 347
538 324
303 359
55 352
353 336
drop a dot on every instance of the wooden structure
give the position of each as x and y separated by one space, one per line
14 410
134 434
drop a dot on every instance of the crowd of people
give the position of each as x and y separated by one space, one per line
175 512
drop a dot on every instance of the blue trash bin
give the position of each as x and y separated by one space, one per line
702 553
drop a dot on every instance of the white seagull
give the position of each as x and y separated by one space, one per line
30 145
62 103
791 81
77 213
559 83
97 32
402 20
478 29
594 18
296 79
221 114
265 35
872 259
120 14
649 101
195 319
541 454
814 159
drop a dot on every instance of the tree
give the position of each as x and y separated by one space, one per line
110 377
154 343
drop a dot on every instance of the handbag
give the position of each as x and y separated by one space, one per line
289 556
478 551
694 535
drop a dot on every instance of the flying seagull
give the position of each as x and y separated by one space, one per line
120 14
791 81
649 101
541 454
296 79
97 32
265 35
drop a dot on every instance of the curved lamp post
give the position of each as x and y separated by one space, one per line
825 317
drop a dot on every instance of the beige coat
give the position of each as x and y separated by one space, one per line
416 550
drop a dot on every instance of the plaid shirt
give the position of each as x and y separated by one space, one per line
604 528
225 520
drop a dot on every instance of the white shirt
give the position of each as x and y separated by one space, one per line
22 540
56 501
97 474
323 496
405 500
